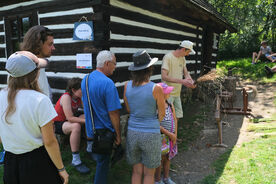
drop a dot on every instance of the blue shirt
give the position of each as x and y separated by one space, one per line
104 98
143 108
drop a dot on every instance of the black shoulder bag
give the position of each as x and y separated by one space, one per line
103 138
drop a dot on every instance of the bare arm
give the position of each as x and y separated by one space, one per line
42 63
259 55
171 135
125 99
159 97
115 120
52 147
67 109
188 82
175 119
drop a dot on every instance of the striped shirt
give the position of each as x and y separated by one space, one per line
167 121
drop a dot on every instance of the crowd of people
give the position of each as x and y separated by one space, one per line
27 130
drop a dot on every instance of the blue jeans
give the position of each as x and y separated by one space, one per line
102 168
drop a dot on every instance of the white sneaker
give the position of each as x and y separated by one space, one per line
168 181
159 182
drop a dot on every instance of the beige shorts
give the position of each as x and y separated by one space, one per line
176 101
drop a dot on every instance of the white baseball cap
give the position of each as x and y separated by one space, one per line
21 63
188 45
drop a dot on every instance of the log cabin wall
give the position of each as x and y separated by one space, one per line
3 56
60 17
134 27
123 26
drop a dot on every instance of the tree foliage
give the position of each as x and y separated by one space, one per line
255 21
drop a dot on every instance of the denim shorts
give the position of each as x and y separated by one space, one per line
273 57
143 147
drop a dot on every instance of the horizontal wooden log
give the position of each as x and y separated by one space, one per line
58 82
1 27
2 39
173 9
55 97
128 56
3 79
70 18
123 74
2 53
68 66
68 33
143 44
79 47
45 7
119 28
2 65
138 17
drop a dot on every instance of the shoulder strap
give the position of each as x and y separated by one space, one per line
90 105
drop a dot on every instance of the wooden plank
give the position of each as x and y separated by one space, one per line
68 33
70 18
128 56
45 7
55 97
174 9
69 5
68 66
123 74
2 53
2 65
8 35
150 20
2 39
58 82
79 47
143 44
1 27
3 79
118 28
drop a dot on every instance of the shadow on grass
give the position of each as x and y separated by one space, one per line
219 168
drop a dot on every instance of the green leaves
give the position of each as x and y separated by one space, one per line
255 21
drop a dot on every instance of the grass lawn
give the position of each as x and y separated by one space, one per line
246 70
254 162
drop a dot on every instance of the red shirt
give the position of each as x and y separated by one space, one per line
61 116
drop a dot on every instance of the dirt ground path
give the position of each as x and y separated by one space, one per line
193 165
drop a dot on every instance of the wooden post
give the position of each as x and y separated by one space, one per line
230 85
218 119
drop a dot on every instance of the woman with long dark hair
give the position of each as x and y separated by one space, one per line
142 99
26 127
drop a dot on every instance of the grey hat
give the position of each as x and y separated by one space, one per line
19 64
141 60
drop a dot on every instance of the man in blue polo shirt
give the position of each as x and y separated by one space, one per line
106 105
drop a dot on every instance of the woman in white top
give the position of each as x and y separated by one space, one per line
26 127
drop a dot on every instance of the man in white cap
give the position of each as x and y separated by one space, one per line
173 68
